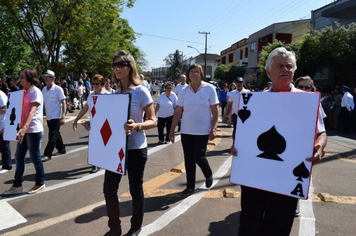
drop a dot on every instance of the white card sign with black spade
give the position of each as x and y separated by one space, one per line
275 133
13 115
107 138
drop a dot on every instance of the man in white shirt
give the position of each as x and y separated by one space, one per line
182 85
234 99
55 107
347 106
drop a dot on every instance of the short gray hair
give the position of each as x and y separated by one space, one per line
281 51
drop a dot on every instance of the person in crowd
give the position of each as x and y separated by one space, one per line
72 93
183 84
267 213
126 77
144 82
222 98
55 107
227 116
13 86
107 86
269 84
98 85
305 83
198 106
165 108
4 145
3 84
347 106
233 102
87 88
334 112
80 94
30 134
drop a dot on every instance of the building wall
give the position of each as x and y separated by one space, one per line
236 55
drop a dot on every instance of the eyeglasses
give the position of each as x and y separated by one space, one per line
194 72
306 87
95 84
168 87
120 64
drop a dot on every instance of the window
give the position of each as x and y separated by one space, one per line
231 57
253 46
223 60
241 54
246 52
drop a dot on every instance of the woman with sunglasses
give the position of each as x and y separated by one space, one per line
305 83
98 85
126 77
198 107
30 134
165 108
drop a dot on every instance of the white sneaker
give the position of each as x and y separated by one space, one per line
2 171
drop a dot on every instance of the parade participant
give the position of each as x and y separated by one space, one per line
233 100
334 112
222 98
183 84
126 77
267 213
30 134
305 83
98 84
55 107
107 86
198 106
80 94
347 106
165 107
227 116
4 145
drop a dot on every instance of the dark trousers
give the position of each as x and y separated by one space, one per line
164 122
265 213
54 138
346 118
234 120
5 153
136 161
223 106
194 148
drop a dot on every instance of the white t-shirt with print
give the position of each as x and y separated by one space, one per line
196 118
52 101
167 105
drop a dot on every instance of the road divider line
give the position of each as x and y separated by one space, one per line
307 218
12 217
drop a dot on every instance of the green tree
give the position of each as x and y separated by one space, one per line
221 72
174 63
228 73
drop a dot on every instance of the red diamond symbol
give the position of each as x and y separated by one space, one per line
93 111
105 132
94 99
121 154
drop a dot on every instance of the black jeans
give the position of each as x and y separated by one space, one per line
346 117
164 122
5 153
136 161
265 213
223 106
234 120
54 138
194 148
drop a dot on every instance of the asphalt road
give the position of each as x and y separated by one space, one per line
73 203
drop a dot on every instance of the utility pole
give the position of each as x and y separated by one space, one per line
206 40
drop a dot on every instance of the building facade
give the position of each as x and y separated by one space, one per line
211 64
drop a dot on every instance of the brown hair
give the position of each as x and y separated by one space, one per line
99 78
306 78
31 75
133 76
199 68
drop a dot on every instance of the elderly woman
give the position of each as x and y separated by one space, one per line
126 77
265 212
30 134
198 107
305 83
165 107
98 85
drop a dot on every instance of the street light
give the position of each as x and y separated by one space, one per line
194 48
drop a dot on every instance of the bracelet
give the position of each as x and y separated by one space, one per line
25 126
213 127
139 128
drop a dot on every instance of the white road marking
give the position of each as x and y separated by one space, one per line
307 218
176 211
11 216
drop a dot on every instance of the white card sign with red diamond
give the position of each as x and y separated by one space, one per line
107 138
274 135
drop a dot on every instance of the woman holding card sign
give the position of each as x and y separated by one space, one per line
126 77
30 134
198 107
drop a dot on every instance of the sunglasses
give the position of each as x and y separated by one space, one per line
95 84
168 87
306 87
120 64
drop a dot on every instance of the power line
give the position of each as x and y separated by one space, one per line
162 37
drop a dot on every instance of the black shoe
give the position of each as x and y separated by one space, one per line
46 158
71 111
133 232
209 181
60 153
94 169
186 192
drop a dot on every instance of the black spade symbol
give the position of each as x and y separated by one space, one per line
12 116
271 143
244 114
301 171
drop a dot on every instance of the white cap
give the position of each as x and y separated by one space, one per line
49 73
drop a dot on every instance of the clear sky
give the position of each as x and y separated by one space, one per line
168 25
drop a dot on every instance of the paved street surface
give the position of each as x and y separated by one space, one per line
73 202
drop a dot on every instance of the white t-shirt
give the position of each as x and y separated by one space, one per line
322 115
80 90
3 102
140 97
234 98
347 101
34 94
52 101
167 105
196 118
179 88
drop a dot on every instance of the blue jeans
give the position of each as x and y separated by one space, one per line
5 153
32 143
